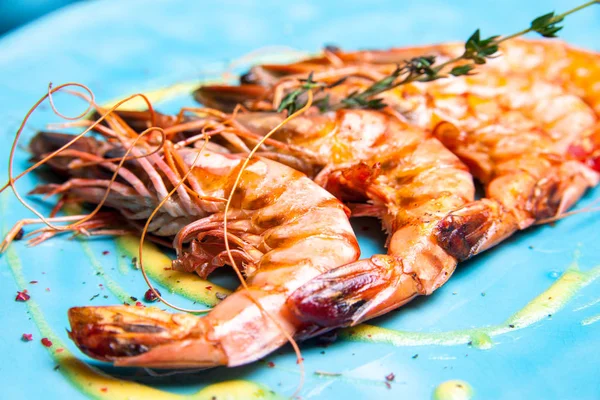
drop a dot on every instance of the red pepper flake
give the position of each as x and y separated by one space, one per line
27 337
167 268
390 377
270 364
104 389
60 350
208 287
150 297
387 385
105 252
47 289
33 282
46 342
22 296
139 304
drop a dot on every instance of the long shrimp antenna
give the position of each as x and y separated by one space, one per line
145 231
12 180
586 209
228 249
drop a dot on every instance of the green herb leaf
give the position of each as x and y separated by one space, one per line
462 70
546 25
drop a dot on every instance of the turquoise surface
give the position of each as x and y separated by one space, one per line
118 48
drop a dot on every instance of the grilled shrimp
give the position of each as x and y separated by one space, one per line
385 168
284 230
526 124
381 167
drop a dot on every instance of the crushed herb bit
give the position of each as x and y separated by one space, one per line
325 373
511 326
415 356
482 294
94 296
33 282
133 298
56 367
22 296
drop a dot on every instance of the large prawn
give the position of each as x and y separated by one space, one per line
283 228
526 125
386 168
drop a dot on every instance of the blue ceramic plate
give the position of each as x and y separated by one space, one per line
540 282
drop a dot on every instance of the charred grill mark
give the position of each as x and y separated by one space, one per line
142 328
126 349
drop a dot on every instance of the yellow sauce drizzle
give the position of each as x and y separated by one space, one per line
547 303
96 384
162 94
453 390
183 283
113 286
591 320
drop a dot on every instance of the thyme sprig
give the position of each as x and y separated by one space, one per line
423 69
293 101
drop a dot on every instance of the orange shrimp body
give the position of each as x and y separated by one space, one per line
514 123
283 228
385 168
525 124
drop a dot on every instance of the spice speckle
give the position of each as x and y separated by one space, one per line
46 342
415 356
27 337
22 296
390 377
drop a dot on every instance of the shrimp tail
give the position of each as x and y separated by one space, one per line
349 294
150 337
474 227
